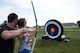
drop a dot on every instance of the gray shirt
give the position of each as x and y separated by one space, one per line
25 43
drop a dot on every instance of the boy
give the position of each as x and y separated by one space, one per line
25 41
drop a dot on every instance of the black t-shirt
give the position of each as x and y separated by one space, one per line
6 46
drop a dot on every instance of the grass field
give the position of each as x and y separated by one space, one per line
54 46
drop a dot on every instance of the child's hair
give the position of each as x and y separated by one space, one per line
21 22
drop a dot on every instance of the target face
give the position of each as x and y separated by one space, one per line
53 29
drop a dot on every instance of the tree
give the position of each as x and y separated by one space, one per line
4 23
78 22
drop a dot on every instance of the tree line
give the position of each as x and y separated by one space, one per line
5 23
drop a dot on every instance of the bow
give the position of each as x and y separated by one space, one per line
36 27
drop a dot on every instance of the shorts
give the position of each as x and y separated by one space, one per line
25 51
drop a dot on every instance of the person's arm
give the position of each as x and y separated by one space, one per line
12 33
20 36
32 32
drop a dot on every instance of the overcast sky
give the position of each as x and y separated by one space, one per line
61 10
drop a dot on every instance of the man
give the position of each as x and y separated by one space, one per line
8 34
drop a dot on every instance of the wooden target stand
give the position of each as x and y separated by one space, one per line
53 30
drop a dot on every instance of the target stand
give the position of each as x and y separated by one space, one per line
53 30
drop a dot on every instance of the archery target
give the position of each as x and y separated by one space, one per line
53 29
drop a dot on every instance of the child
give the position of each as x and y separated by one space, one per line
25 41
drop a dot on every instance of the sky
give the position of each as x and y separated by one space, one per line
61 10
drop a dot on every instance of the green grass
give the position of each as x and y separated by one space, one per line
54 46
